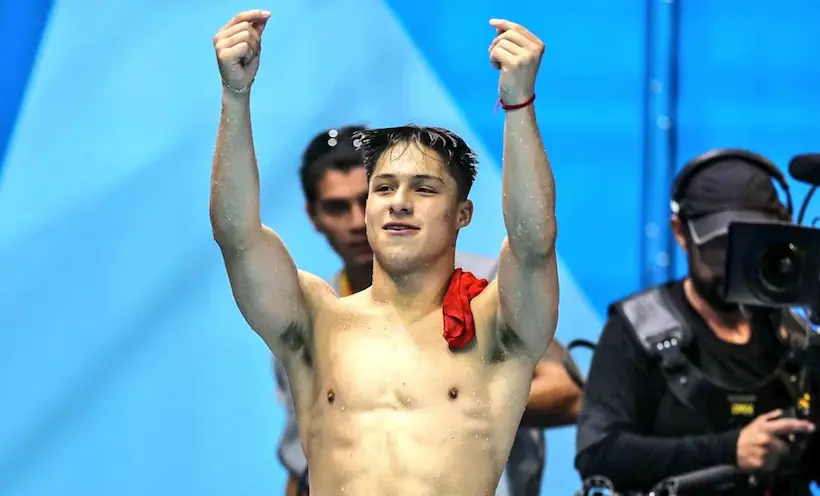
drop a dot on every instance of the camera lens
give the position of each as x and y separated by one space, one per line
781 267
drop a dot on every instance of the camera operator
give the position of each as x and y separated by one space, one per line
683 380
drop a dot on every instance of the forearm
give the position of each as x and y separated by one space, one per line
638 461
549 407
555 400
528 187
234 207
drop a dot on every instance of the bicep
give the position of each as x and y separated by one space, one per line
528 300
268 290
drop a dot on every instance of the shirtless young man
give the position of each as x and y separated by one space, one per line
386 405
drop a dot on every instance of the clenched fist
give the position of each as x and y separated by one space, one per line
762 444
517 53
237 46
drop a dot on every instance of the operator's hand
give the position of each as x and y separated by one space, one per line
517 53
237 45
761 444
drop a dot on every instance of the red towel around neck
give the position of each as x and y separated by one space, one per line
459 327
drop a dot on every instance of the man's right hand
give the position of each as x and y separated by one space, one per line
237 45
762 444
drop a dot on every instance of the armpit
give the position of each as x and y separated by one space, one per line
295 343
508 344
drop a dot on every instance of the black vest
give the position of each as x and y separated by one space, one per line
659 326
692 403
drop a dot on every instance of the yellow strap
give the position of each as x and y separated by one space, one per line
344 285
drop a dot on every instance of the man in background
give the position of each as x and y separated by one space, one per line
335 186
684 380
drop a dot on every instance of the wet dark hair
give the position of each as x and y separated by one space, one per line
459 160
334 149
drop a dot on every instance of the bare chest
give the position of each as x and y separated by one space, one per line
377 363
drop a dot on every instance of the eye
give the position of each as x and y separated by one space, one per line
426 191
381 188
335 207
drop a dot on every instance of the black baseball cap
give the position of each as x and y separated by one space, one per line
724 192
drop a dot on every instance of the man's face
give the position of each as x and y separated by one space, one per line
338 213
413 212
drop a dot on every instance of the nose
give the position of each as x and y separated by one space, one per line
357 216
401 206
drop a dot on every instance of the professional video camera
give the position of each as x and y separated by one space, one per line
777 265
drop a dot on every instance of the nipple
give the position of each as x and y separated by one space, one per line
330 396
453 393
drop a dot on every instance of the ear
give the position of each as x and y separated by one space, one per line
677 229
464 214
310 209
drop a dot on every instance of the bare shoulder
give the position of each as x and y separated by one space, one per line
362 298
358 305
315 290
326 307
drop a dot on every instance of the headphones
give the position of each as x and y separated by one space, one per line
697 164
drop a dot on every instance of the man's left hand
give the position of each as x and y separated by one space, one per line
517 53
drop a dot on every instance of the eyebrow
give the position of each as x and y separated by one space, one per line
414 177
354 197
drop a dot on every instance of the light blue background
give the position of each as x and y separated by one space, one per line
125 367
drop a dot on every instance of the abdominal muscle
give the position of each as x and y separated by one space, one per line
435 451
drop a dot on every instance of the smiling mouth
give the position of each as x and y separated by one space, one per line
398 228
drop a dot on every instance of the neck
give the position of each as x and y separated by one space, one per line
720 321
418 290
359 276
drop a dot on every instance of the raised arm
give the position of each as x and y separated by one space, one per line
527 274
266 285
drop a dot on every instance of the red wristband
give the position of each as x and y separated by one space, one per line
517 105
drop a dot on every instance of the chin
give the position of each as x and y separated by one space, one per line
398 260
